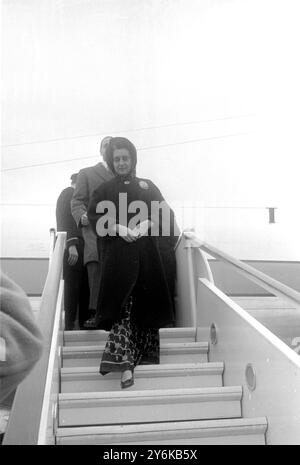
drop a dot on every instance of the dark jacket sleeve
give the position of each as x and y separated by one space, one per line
64 218
61 212
21 340
80 199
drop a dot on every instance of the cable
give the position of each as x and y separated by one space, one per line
203 139
139 148
222 207
46 141
27 204
47 163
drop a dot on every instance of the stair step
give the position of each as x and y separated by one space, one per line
166 376
206 432
93 337
177 352
100 408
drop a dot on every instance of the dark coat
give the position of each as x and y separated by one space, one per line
87 181
66 222
64 218
76 288
135 267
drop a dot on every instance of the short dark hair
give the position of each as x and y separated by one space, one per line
74 177
120 143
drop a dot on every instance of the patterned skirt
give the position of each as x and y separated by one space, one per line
128 346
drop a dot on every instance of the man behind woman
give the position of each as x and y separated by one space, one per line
89 179
76 288
136 285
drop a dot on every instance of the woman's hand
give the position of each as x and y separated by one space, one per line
73 255
85 220
142 229
126 233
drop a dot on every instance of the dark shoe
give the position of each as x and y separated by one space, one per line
129 382
90 323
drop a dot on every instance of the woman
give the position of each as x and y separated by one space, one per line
135 298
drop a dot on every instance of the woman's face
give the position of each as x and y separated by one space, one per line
122 161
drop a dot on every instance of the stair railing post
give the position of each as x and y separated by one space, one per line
191 281
192 264
198 267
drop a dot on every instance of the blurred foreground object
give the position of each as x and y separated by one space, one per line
20 338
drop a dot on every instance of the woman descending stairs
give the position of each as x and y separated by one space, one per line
180 401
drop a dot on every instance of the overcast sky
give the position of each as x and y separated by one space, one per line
207 90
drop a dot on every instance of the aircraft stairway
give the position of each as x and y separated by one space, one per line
180 401
225 376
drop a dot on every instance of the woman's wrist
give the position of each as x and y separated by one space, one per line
114 229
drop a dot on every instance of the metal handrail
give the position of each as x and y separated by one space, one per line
24 420
260 278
